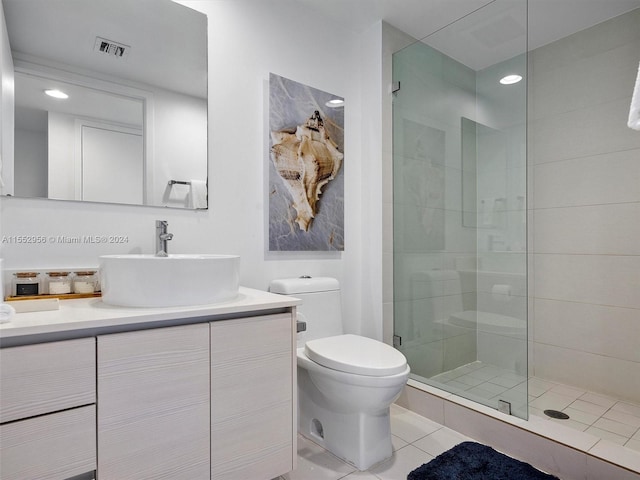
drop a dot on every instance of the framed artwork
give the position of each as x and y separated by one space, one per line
306 168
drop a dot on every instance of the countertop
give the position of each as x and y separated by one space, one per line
88 316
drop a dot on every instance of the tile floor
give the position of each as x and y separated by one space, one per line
416 440
602 416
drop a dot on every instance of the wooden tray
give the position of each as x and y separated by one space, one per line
66 296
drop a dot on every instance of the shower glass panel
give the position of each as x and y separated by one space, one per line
459 165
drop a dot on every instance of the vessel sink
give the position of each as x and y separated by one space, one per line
176 280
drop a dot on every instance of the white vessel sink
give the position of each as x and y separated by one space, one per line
176 280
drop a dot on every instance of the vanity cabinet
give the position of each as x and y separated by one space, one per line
47 410
253 372
153 404
197 393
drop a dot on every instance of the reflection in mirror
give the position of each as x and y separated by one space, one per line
133 126
484 175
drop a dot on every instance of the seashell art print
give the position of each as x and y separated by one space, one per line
306 160
306 168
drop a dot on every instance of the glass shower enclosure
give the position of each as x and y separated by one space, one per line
460 236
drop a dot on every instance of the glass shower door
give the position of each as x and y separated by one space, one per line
460 265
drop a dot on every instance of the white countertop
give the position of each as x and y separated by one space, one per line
92 313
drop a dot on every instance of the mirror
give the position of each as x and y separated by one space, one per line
133 128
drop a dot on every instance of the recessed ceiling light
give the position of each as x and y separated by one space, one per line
335 103
55 93
510 79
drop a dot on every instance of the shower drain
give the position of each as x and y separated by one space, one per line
556 414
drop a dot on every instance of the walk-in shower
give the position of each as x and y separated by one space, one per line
459 165
513 200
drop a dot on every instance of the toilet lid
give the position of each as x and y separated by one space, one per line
356 354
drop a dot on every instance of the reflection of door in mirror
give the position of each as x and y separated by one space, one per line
163 95
112 166
50 137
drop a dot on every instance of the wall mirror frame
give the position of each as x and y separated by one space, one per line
145 140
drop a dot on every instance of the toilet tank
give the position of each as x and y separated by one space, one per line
320 309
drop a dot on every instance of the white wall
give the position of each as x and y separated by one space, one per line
585 220
184 117
247 40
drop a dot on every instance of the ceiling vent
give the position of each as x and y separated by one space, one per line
111 48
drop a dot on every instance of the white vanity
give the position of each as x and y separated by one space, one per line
204 392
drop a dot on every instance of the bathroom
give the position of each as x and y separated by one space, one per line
247 40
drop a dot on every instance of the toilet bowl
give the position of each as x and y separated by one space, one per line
346 383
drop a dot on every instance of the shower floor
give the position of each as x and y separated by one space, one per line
602 416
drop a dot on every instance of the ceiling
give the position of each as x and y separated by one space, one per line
168 41
548 20
138 23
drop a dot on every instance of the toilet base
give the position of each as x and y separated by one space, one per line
361 439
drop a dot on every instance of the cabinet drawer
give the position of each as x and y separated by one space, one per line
47 377
51 447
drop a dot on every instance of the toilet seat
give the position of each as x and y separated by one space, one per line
355 354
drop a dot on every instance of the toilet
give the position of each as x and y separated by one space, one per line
346 383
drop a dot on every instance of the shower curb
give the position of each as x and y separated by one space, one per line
541 443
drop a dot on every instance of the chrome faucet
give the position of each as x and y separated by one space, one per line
162 237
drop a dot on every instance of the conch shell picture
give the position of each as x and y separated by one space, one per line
306 160
305 164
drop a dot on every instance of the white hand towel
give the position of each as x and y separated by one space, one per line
634 111
198 194
6 312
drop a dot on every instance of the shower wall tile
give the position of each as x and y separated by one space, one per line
387 177
459 350
598 329
599 179
594 130
387 233
597 279
503 351
486 280
578 85
387 323
598 373
589 43
584 223
425 359
387 274
612 229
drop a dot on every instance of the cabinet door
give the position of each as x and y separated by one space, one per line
252 398
153 404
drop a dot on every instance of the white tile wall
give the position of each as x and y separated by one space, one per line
598 373
599 179
611 229
571 325
594 279
593 130
584 230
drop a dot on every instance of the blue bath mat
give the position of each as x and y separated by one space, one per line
473 461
